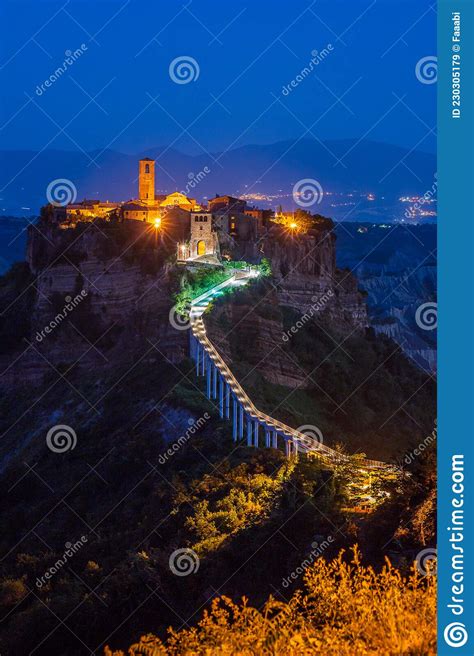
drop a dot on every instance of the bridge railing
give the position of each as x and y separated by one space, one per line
305 443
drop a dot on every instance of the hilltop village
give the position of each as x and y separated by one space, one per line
198 229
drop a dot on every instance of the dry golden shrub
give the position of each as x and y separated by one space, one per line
345 609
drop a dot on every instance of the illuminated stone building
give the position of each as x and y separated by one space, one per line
87 210
203 242
197 231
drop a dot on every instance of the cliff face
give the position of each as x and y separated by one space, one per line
103 294
304 268
251 330
306 288
100 297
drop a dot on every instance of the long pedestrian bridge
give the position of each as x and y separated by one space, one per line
258 428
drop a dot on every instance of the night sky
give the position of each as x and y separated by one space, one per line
119 93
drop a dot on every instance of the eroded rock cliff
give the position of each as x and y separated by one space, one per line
101 294
304 269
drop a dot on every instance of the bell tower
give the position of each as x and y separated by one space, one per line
146 180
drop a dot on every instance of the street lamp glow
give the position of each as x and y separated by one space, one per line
157 223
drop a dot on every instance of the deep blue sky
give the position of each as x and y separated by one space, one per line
260 47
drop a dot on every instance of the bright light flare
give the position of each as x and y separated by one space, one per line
157 223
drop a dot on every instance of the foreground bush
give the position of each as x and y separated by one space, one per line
346 609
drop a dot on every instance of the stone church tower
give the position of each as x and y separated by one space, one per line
146 180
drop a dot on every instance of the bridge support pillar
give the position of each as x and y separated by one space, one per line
249 431
255 427
287 448
197 357
241 429
214 383
234 419
221 396
208 379
227 401
267 438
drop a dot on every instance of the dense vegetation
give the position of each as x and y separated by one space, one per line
251 517
367 394
345 609
224 503
188 284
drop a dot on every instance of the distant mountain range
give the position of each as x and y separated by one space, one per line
267 173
